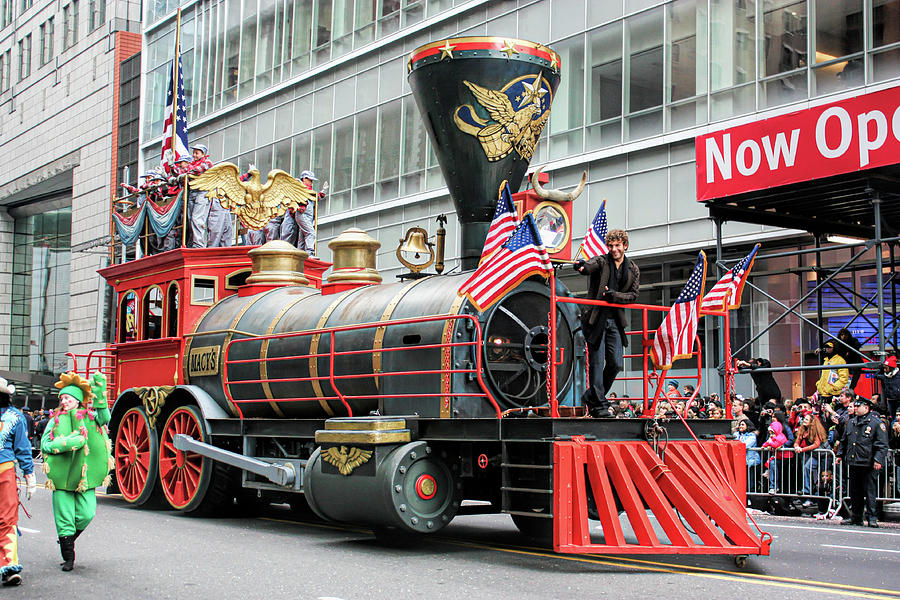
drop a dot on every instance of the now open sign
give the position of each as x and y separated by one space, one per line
862 132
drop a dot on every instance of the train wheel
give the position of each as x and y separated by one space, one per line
191 482
137 456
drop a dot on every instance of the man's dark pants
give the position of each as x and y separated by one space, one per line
605 363
863 482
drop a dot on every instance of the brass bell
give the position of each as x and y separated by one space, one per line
416 242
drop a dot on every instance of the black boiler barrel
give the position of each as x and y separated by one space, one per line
276 368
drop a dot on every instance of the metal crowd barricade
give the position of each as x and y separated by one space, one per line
790 475
888 479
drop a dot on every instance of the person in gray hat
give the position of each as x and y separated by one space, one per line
299 227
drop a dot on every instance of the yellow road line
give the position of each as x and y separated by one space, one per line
838 589
853 592
894 593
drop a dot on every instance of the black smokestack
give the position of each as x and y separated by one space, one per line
484 102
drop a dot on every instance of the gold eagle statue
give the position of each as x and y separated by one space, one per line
345 460
513 128
254 203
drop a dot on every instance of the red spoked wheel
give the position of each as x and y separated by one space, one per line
190 482
137 456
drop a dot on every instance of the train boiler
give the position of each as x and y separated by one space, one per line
391 404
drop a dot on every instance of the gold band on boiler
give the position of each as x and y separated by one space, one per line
228 336
378 344
447 356
314 349
264 352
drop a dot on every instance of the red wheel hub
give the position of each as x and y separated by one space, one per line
179 471
426 487
133 455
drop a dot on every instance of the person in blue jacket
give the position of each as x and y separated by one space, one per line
14 448
747 436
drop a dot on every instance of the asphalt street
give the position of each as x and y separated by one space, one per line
129 553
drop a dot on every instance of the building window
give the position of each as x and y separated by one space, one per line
98 14
153 314
40 289
129 113
6 12
203 290
47 41
25 57
26 4
127 317
172 310
4 70
70 20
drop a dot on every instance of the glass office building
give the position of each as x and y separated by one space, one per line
321 84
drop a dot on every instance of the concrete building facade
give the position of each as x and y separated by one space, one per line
321 85
58 67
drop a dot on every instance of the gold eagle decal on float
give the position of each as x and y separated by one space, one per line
514 128
254 203
345 460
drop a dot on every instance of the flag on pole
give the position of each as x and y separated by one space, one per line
594 243
675 337
503 223
726 294
175 129
520 257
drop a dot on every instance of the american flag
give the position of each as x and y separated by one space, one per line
594 243
726 294
519 258
675 337
176 141
502 225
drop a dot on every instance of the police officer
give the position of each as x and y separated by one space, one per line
864 447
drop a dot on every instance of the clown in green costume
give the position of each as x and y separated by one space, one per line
77 459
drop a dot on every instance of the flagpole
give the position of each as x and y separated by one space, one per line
729 366
175 72
554 402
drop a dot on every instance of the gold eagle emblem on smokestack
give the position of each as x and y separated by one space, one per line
519 112
254 203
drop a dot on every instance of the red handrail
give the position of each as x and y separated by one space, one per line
105 359
333 378
648 375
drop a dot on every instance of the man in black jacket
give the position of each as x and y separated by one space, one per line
864 446
614 279
766 386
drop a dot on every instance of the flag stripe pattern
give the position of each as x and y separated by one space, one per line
675 337
726 294
520 257
175 103
594 243
503 223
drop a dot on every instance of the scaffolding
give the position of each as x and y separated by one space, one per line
864 205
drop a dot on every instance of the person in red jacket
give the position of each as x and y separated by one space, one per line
211 225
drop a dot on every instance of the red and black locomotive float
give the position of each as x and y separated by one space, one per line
242 372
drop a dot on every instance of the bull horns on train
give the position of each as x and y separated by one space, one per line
557 195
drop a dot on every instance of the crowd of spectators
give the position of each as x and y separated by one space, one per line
35 422
792 443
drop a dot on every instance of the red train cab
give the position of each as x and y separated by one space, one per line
159 300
